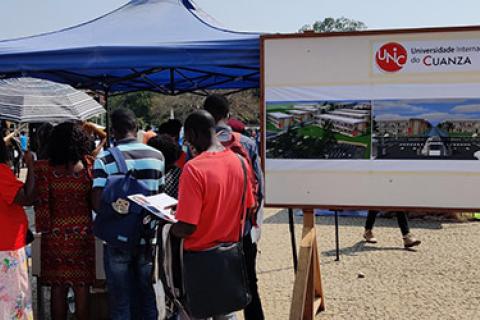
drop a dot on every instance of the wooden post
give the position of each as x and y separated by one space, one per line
308 298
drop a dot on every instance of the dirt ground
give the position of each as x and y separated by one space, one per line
440 280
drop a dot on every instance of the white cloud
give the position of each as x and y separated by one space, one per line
441 101
467 108
390 116
399 106
442 116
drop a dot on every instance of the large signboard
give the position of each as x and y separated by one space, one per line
384 119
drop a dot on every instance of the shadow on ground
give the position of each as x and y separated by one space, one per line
282 218
362 246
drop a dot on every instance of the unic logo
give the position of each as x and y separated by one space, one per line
391 57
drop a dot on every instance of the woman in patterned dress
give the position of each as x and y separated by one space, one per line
15 294
63 216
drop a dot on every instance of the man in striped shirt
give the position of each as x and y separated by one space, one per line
129 271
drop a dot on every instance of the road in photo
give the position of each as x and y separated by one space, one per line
318 130
426 129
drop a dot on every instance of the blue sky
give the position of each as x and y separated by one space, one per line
27 17
435 111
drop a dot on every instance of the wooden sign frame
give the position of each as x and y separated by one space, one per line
308 35
308 297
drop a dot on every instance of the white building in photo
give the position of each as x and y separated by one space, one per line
301 116
363 106
280 120
354 114
312 108
462 126
344 125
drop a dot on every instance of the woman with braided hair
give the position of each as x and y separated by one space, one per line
63 216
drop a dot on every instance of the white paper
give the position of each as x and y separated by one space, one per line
160 205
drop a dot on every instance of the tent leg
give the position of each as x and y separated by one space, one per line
107 117
337 241
292 238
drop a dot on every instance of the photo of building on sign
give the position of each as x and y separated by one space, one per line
426 129
319 130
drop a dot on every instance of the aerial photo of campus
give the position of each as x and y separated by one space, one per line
426 129
318 130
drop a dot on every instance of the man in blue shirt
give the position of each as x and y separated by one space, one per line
23 141
129 271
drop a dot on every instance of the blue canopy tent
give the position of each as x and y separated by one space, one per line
165 46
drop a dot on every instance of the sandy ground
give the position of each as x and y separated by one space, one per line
440 280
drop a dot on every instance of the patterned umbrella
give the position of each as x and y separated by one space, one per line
35 100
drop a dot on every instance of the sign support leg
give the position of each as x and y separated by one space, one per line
308 297
292 239
337 241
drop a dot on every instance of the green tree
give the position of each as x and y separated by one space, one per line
138 102
335 25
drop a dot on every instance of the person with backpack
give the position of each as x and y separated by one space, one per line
218 106
128 168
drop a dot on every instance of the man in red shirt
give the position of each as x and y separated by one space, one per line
211 187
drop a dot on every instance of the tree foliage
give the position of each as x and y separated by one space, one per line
335 25
154 109
138 102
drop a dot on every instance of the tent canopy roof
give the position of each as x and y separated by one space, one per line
168 46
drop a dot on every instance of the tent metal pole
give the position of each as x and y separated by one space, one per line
292 239
107 116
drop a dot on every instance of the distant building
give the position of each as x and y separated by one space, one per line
470 126
363 106
312 108
402 127
280 120
354 114
301 116
344 125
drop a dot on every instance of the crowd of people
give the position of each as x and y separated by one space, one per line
79 190
213 172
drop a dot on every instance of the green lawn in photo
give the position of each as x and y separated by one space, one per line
272 128
460 135
317 132
280 107
311 131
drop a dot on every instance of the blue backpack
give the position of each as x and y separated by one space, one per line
120 221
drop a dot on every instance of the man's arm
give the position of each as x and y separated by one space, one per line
100 176
97 199
26 195
182 229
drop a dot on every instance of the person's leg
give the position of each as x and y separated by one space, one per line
253 311
82 302
369 223
58 303
408 240
118 271
368 234
403 222
143 280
